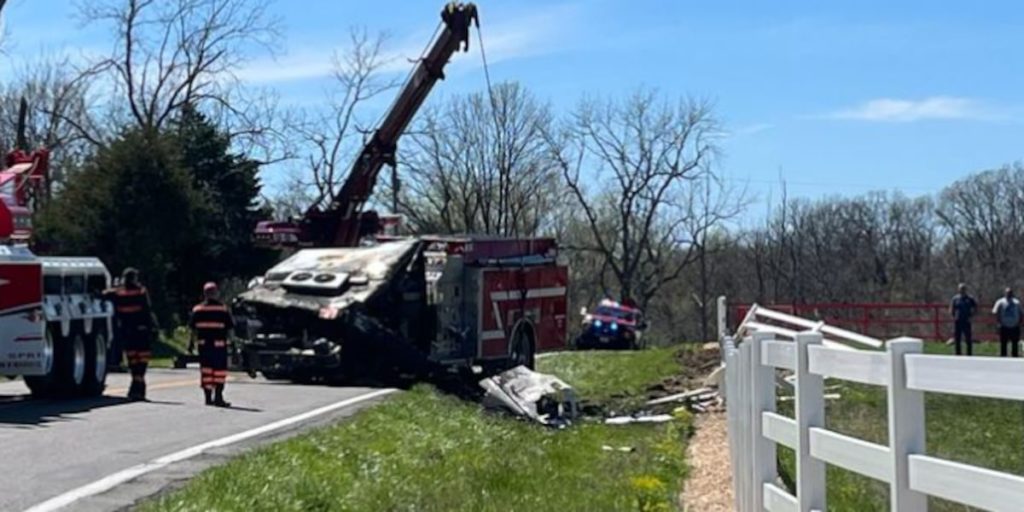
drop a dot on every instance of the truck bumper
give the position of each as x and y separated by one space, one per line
268 360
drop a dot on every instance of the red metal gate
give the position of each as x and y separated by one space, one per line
929 321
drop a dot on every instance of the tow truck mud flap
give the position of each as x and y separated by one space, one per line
539 397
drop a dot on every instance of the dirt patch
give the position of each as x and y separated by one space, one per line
694 366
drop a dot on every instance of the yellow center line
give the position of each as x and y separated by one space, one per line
162 385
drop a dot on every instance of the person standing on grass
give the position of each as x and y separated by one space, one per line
1007 312
962 309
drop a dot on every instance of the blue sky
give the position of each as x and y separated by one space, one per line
836 99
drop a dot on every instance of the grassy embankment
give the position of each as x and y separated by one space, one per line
422 450
979 431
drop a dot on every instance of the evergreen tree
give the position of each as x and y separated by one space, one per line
229 183
180 206
133 204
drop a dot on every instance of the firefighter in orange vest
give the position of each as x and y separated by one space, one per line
211 324
134 326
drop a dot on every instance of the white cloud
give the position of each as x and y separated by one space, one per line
528 35
904 110
754 128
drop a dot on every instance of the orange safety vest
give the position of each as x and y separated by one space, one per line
212 322
131 304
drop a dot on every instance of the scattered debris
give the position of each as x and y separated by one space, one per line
625 420
679 397
695 366
715 378
543 398
624 449
828 396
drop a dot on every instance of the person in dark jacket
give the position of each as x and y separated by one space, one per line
963 308
134 326
211 324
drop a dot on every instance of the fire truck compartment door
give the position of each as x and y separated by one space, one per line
22 326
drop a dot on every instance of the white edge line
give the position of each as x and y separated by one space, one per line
110 481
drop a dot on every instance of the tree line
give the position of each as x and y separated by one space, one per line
160 151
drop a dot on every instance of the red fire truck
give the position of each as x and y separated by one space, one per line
407 304
352 299
54 326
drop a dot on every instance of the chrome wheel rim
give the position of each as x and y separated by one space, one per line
101 358
78 352
48 352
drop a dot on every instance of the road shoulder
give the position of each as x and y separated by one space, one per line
170 477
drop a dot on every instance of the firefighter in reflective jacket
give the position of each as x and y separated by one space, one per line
211 323
134 327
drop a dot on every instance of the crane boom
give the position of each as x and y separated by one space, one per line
343 222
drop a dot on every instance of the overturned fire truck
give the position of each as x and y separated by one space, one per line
352 301
412 306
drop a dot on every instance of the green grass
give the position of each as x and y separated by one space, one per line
979 431
424 451
612 376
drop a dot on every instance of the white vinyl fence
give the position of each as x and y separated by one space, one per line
906 374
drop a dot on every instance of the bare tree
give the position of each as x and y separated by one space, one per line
57 101
480 164
710 206
631 166
171 53
329 137
3 27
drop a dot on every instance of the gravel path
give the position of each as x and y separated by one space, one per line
709 488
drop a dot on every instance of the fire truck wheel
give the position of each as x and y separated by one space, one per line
522 349
95 380
43 386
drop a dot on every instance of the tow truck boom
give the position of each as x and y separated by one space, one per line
343 222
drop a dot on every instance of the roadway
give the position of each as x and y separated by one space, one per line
106 453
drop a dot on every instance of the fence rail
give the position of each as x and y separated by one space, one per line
755 429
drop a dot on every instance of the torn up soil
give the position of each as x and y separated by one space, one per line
694 366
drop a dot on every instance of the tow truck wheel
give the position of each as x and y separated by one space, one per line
43 386
70 370
95 380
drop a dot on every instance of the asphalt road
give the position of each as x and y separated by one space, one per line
106 453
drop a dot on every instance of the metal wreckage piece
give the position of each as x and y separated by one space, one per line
539 397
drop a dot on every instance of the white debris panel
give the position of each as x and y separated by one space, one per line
539 397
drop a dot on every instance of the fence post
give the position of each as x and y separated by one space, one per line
762 393
810 412
731 361
906 427
746 440
723 318
732 371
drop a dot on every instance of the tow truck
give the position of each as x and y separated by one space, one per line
55 328
352 300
